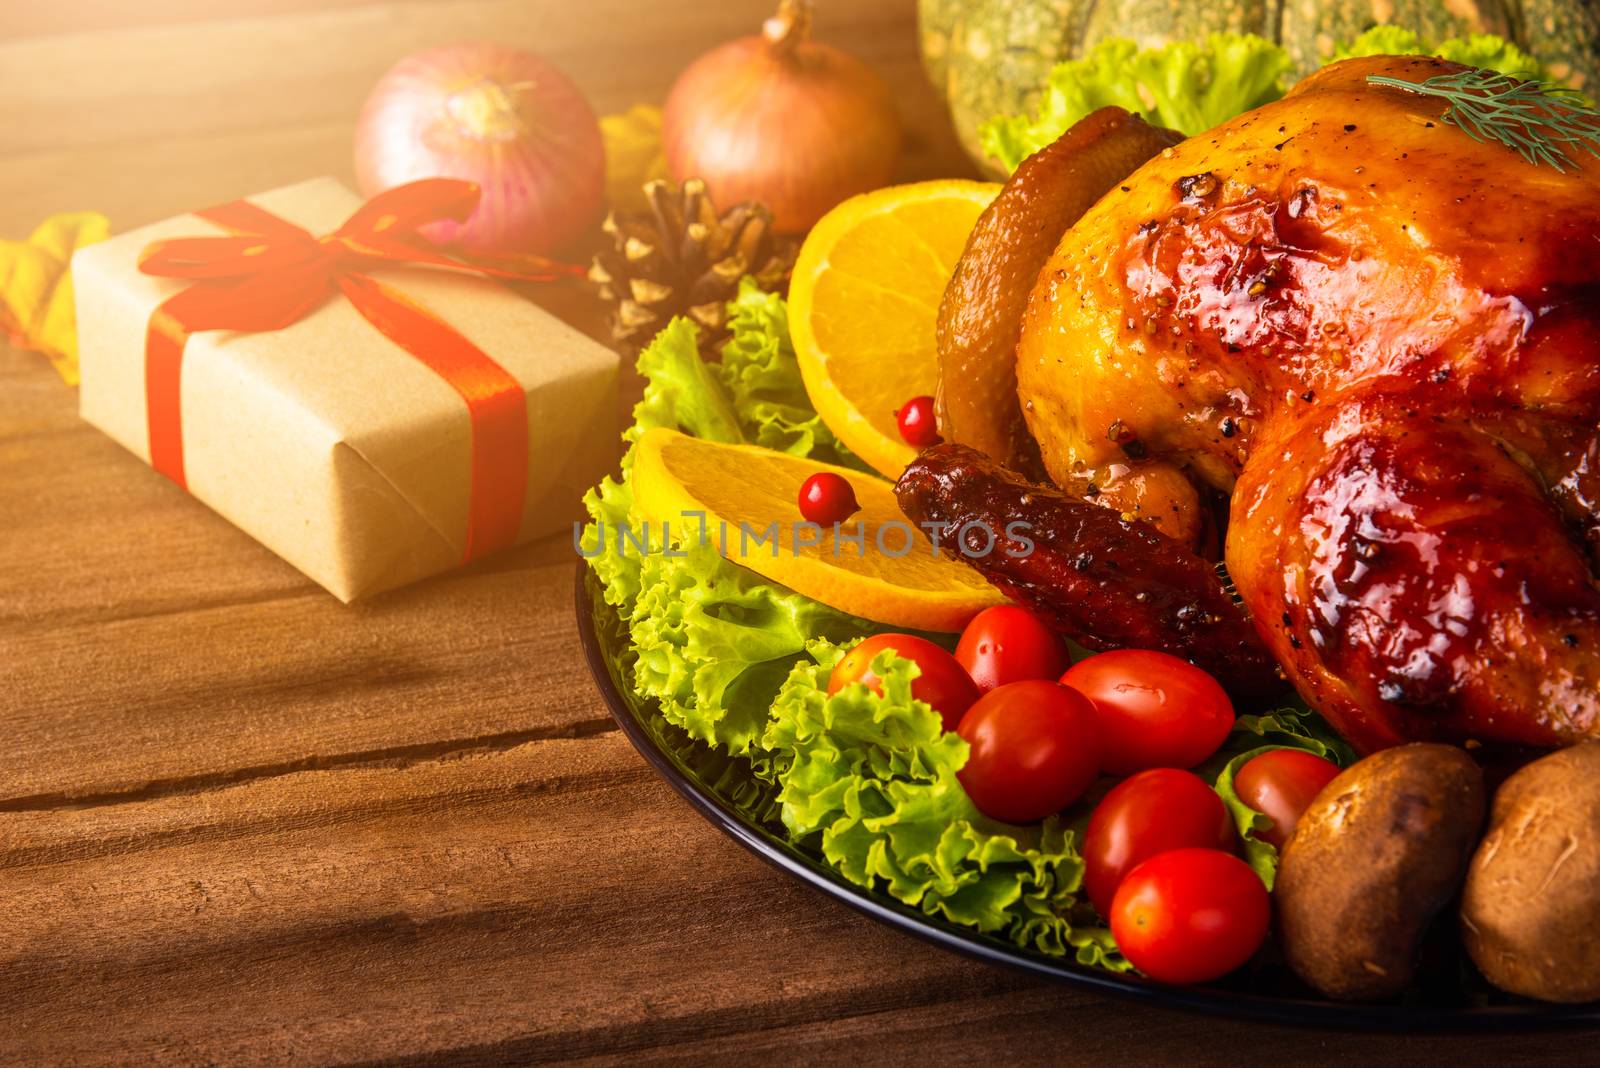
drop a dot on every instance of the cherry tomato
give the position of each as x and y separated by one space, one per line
1007 643
917 423
1153 812
1156 711
1035 750
1190 915
1281 784
826 498
943 683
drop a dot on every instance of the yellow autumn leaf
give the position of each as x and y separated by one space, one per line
36 306
633 155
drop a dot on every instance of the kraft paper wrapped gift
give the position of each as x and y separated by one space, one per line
325 440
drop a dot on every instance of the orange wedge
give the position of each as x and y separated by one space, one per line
864 304
747 495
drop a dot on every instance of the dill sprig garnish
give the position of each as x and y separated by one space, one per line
1543 123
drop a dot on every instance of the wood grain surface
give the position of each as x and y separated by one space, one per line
241 823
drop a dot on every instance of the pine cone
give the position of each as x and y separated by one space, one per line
684 258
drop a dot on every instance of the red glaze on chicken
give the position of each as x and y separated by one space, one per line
1382 338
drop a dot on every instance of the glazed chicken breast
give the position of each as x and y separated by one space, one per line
1378 339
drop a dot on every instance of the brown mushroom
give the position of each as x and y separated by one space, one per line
1530 914
1380 851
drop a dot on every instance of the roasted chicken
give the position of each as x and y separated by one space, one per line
1374 342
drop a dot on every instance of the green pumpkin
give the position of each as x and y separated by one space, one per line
990 57
1564 35
1310 29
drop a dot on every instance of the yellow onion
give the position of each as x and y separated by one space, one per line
784 120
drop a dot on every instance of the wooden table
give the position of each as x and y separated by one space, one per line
240 822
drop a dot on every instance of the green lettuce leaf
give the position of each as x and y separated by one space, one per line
870 779
762 377
1285 728
1477 50
754 394
610 508
711 641
1199 84
680 391
1495 53
1382 40
1187 86
715 641
1191 86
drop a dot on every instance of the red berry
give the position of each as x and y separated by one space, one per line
917 423
827 498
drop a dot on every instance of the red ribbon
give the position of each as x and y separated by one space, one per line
270 274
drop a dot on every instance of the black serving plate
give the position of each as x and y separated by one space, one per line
1452 997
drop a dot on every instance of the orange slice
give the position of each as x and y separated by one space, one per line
748 497
864 304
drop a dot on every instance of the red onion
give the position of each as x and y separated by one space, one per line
493 115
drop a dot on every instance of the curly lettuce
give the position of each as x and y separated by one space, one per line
1191 86
870 778
610 508
715 641
1187 86
1477 50
680 391
752 394
762 378
711 641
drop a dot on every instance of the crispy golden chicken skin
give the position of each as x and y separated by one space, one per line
1382 337
980 316
981 313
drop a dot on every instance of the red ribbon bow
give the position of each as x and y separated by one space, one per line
271 274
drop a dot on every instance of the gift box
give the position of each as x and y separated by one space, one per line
333 385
